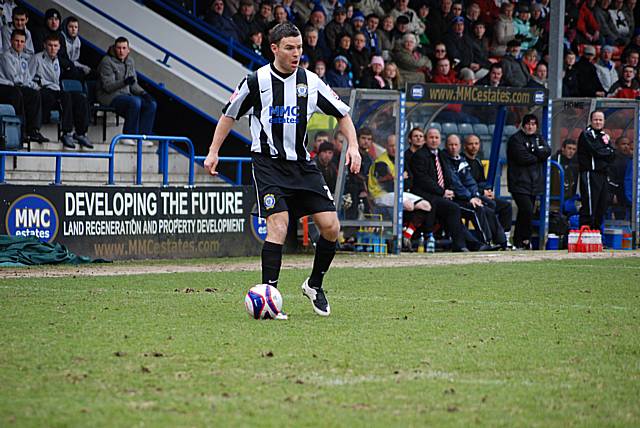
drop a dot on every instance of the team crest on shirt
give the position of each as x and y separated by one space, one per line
302 89
269 201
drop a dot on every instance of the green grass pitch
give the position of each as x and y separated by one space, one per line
548 344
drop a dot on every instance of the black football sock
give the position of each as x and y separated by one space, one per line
271 261
325 250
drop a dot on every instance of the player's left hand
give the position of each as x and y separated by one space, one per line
353 160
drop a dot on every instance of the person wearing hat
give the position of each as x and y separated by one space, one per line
19 20
401 7
337 26
245 19
515 72
606 68
357 22
324 163
588 83
522 27
463 50
372 76
338 76
52 25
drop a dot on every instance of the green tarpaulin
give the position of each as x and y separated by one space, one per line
20 251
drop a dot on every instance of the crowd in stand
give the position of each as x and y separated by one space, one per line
41 71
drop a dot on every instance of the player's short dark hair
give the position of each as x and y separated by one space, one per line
19 10
17 32
282 30
121 39
596 111
365 131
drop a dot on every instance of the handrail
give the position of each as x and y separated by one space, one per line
240 160
168 54
211 31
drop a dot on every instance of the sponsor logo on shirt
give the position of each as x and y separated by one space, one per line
284 114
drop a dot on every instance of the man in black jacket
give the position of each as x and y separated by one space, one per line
595 154
527 153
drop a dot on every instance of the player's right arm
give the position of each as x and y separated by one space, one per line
222 131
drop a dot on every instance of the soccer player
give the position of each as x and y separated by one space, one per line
279 99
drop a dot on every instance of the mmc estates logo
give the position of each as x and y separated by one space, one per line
32 215
284 114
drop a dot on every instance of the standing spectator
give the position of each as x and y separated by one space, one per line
46 69
19 20
326 166
413 66
522 28
608 30
52 22
372 76
18 88
627 86
73 47
118 87
360 57
338 77
245 19
493 78
620 19
515 72
606 69
503 31
587 77
439 21
391 76
587 24
337 27
371 35
595 155
570 76
401 7
219 20
416 142
527 153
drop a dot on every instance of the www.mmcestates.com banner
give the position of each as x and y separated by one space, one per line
132 223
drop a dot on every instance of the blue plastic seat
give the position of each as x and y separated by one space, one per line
480 129
465 129
449 128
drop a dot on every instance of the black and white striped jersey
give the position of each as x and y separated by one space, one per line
279 108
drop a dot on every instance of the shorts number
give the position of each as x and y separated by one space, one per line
328 193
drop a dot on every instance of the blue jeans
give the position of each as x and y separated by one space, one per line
139 112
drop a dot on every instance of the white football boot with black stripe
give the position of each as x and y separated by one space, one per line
317 298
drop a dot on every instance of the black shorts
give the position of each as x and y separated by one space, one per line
294 186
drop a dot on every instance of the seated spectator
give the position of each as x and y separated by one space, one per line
464 51
401 8
391 76
516 73
371 7
467 195
245 19
338 77
360 57
620 21
588 83
311 48
326 166
357 22
344 47
438 21
472 17
280 16
587 26
423 39
6 10
118 87
523 31
218 19
617 170
386 34
570 76
480 39
73 47
372 77
304 62
502 207
494 77
19 20
18 88
255 43
539 77
527 154
337 27
608 29
46 69
627 86
605 68
530 59
443 73
632 59
503 31
264 17
629 12
51 26
318 139
371 34
321 70
568 160
413 66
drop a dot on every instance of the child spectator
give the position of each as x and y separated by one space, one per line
73 47
391 76
372 75
321 70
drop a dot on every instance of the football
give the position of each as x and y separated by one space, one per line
263 302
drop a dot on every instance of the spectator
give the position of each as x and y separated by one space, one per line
401 28
608 30
73 47
539 77
219 20
617 170
413 66
501 206
357 22
587 77
371 6
540 26
587 25
344 47
444 74
118 87
456 9
372 76
321 70
366 148
439 52
19 20
245 19
567 159
45 67
292 13
338 77
423 39
570 76
493 78
595 155
18 88
530 59
311 47
472 17
432 182
280 16
264 17
6 9
360 57
326 166
629 13
522 28
337 27
620 20
515 72
385 34
480 39
255 43
439 21
304 62
373 42
416 26
606 68
51 26
527 153
627 86
503 31
391 76
319 138
632 59
464 51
